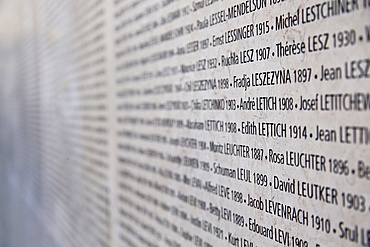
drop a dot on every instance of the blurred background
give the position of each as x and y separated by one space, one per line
54 149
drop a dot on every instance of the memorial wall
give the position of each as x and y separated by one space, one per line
185 123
